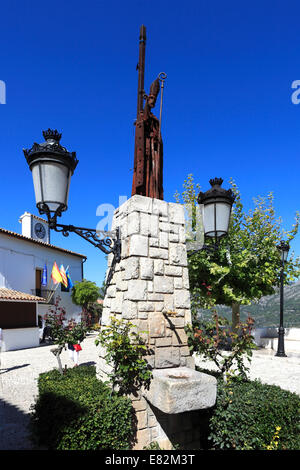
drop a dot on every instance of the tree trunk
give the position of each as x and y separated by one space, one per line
235 314
57 351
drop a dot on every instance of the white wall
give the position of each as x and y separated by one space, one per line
19 338
20 258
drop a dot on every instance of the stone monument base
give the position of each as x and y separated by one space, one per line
150 288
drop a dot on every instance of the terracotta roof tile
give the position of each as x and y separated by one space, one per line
10 294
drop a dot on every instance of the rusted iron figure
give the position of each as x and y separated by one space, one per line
148 152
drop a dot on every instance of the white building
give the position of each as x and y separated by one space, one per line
22 296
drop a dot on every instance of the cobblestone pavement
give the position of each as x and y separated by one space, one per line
19 371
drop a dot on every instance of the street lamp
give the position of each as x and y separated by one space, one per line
217 204
52 166
283 249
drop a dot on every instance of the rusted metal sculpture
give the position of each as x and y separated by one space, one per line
148 151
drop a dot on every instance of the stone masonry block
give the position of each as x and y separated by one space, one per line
137 290
157 325
132 268
149 225
176 213
158 253
138 203
138 245
158 267
129 310
178 255
146 268
173 270
164 240
133 223
182 298
167 357
160 207
163 284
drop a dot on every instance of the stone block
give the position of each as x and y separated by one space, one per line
178 283
138 203
185 278
146 268
173 237
143 439
178 255
142 421
167 357
111 291
137 290
168 302
182 298
154 242
161 342
182 234
131 268
149 225
117 303
157 326
164 239
179 337
145 306
133 223
181 389
173 270
158 253
138 245
130 310
163 284
158 267
160 207
176 213
156 297
140 405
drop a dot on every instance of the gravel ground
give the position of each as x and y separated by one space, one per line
19 371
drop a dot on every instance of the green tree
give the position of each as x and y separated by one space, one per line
246 265
85 294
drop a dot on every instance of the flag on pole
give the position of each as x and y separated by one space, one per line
55 274
44 276
63 276
70 283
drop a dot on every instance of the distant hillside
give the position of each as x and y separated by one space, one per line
266 311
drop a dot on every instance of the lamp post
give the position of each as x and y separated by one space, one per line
283 249
217 204
52 166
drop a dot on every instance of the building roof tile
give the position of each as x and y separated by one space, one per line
10 294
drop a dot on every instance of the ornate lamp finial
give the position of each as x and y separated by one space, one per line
51 134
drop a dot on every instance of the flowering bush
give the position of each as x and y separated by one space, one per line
124 351
216 341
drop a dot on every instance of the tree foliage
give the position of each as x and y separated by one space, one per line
85 292
246 265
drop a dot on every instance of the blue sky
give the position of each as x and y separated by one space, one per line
227 102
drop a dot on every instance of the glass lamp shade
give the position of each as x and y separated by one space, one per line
283 249
51 181
216 218
217 203
52 167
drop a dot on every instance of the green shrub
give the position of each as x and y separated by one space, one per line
251 416
78 412
124 351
